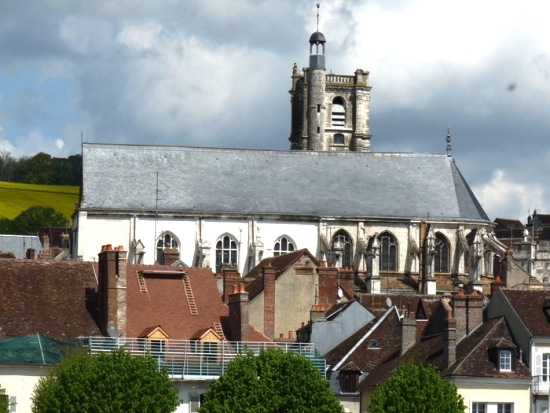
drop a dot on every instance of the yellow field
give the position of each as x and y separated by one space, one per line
16 197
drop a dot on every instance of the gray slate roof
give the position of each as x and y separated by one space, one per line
19 244
268 182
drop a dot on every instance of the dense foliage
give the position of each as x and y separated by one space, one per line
416 388
32 220
270 382
106 383
4 401
41 169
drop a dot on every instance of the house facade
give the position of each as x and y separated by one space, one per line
526 312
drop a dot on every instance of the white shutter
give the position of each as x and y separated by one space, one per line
13 403
538 364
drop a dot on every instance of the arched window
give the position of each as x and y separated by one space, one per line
226 252
166 240
441 253
283 245
338 112
338 139
340 249
388 252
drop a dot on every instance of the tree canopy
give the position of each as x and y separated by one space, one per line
273 381
105 383
32 220
416 388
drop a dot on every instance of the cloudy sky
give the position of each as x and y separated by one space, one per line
217 73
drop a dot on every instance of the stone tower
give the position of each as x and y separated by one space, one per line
329 112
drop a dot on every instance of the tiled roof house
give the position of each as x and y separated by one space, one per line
481 358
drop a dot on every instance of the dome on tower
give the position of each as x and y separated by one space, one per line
317 38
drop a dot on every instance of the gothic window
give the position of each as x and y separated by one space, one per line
340 249
441 253
338 139
338 112
283 245
166 240
226 252
388 252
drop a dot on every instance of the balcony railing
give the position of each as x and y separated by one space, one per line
541 384
197 360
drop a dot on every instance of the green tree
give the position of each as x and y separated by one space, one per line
4 401
105 383
416 388
37 217
271 382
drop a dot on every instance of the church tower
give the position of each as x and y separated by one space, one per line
329 112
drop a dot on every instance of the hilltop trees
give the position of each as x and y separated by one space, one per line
32 220
416 388
107 382
41 169
273 381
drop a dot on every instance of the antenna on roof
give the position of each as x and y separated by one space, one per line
448 139
318 5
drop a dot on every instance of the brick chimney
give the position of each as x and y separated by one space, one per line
238 313
347 278
460 302
475 311
112 290
317 313
497 285
328 285
269 301
449 331
408 332
45 242
468 311
230 278
170 256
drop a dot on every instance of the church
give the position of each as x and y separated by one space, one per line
368 212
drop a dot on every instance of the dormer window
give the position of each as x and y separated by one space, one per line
505 360
348 381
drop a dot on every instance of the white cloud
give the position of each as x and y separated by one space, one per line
501 197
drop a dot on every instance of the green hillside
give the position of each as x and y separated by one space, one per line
16 197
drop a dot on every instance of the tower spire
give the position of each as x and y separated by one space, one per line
318 5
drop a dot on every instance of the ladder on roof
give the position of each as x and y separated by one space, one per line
141 282
218 329
189 294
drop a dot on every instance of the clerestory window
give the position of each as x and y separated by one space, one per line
441 253
166 241
340 249
284 245
226 252
388 252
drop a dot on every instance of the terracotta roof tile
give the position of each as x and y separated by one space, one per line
54 299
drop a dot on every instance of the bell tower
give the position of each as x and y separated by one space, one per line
328 112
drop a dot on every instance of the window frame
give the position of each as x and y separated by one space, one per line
349 381
442 254
505 360
389 252
229 249
290 246
347 248
165 240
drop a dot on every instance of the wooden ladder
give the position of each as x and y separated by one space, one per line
141 282
218 329
189 294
